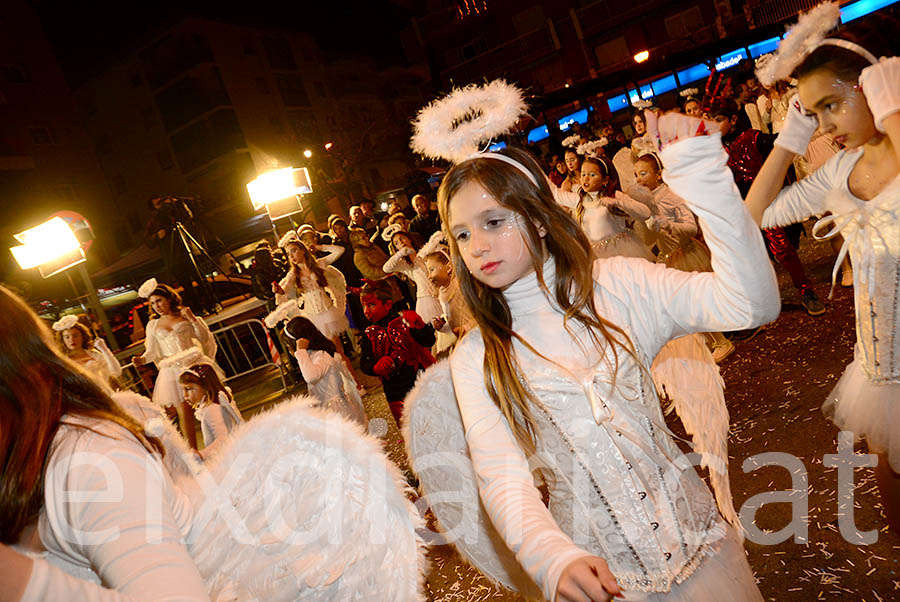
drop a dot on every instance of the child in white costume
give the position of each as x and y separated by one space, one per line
92 354
406 260
625 513
103 518
330 385
173 339
212 401
855 98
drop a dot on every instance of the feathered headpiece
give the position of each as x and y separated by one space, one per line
454 127
289 237
689 93
801 39
642 103
437 243
147 288
283 313
389 232
65 323
572 142
592 148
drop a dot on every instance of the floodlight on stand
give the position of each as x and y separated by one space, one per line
279 191
52 246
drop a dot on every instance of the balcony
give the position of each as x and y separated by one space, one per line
776 11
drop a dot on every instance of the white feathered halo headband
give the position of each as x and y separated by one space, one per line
65 323
437 243
689 93
147 288
388 234
288 238
456 126
642 104
593 149
572 141
801 39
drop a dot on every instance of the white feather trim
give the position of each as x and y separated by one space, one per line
185 359
800 40
688 92
455 126
389 232
289 237
572 141
147 288
642 103
592 148
283 313
437 242
65 323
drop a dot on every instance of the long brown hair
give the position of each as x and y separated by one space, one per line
571 252
166 292
87 337
39 387
311 264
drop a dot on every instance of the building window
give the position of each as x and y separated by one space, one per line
41 135
683 24
293 92
165 160
279 54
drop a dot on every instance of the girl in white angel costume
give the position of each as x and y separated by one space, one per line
316 290
297 504
626 511
409 261
175 336
850 94
92 354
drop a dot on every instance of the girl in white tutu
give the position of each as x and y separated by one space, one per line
318 289
175 337
557 366
605 213
407 261
330 385
848 93
213 404
297 504
92 354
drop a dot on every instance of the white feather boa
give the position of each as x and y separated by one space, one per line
592 148
800 40
572 141
454 127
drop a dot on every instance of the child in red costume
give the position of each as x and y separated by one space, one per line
395 347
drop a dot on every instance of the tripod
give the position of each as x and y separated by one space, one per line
186 239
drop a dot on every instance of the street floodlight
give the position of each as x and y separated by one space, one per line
52 247
279 191
642 56
307 153
328 145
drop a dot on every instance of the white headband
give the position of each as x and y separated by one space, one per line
851 46
508 161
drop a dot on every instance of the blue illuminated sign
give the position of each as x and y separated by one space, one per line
573 118
764 47
664 84
862 8
496 146
538 134
617 103
692 74
726 61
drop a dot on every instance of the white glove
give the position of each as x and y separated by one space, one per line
406 251
798 128
100 344
881 86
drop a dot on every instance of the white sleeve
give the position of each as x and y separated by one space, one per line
397 264
505 483
205 337
633 208
566 198
109 361
109 501
312 367
334 253
289 285
214 421
152 352
740 292
805 198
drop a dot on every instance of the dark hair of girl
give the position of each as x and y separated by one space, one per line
204 376
167 292
39 389
303 328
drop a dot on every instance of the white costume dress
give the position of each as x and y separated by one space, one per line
101 362
325 307
230 529
609 232
174 350
330 384
866 400
217 420
620 488
427 305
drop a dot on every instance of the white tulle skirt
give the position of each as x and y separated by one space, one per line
331 322
624 244
428 308
166 390
870 410
723 577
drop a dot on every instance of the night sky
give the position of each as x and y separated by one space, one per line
89 34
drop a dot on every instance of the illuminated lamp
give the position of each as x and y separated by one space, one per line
642 56
279 191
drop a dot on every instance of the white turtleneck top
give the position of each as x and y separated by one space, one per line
620 491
